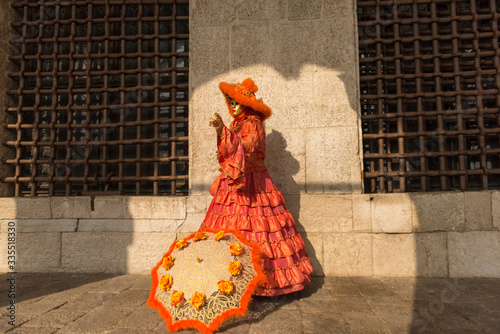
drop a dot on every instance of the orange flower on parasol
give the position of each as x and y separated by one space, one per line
208 283
199 236
225 286
180 244
235 249
219 235
168 262
177 298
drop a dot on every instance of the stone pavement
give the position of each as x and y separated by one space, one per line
103 303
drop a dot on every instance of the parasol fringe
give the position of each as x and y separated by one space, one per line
196 324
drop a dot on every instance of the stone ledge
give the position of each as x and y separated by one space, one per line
70 206
478 211
40 225
108 207
128 225
197 204
440 211
325 213
152 207
8 207
25 207
495 209
391 213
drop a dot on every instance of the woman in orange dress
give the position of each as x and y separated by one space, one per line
245 197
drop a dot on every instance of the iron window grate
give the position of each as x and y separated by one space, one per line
101 97
429 81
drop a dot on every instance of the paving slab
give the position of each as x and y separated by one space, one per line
104 303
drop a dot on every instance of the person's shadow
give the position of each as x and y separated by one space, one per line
282 167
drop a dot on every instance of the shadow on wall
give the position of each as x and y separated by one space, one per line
282 167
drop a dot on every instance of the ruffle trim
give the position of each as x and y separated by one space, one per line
249 223
249 198
279 278
281 248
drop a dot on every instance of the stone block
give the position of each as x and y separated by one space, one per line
248 45
325 213
335 99
408 255
335 47
292 45
212 12
438 212
478 215
25 207
361 213
474 254
332 160
203 167
8 208
146 250
314 248
432 254
285 160
495 209
108 207
304 9
394 255
196 204
276 9
70 207
338 8
252 10
192 223
391 213
38 252
347 254
128 225
292 102
39 225
209 50
113 252
207 99
154 207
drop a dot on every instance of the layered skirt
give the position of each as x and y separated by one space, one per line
257 209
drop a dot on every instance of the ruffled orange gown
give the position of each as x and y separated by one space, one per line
246 199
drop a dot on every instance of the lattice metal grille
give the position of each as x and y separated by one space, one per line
102 97
430 78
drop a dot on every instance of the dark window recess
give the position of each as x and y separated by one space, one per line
101 97
429 81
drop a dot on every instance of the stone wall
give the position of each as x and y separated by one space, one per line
303 56
436 235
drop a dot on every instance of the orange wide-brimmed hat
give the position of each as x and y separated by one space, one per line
244 94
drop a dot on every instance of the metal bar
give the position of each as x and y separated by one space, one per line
92 78
429 79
